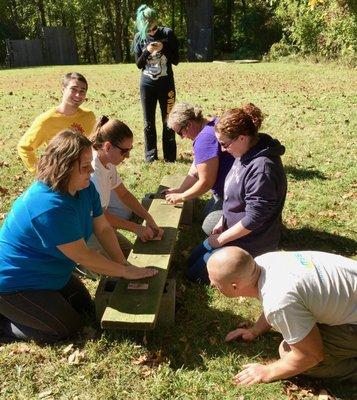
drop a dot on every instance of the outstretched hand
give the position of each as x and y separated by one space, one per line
246 334
253 373
133 272
173 198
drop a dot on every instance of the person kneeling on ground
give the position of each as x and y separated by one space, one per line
112 142
210 165
310 297
254 191
44 237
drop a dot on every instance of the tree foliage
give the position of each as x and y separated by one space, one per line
242 28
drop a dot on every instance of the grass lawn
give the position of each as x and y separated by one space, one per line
311 109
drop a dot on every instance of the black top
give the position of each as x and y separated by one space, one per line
158 65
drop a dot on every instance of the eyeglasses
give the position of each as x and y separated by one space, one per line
180 131
123 151
225 145
153 29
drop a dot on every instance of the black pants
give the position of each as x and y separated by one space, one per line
162 91
45 315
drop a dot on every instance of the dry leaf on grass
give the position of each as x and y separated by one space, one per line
76 357
150 359
3 190
21 349
146 372
323 395
68 349
45 394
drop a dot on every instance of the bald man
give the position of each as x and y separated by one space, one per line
310 297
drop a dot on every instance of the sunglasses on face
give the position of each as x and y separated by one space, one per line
180 131
123 152
153 29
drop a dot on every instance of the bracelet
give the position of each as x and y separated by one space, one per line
207 245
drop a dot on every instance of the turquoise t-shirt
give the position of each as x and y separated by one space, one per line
39 221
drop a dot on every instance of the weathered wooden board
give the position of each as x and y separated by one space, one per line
138 308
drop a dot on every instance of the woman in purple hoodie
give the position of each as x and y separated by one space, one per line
254 190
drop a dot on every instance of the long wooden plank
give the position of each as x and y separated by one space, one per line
138 308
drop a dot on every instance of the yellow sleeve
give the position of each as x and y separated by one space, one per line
32 140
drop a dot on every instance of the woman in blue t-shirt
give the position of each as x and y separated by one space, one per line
43 239
156 49
210 165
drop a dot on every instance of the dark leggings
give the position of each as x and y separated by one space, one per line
45 315
162 91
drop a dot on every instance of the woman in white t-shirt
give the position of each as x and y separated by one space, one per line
112 142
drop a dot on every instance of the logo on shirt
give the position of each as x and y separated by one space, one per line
75 127
304 262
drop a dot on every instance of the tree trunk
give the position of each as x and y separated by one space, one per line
199 30
41 9
228 25
118 31
106 6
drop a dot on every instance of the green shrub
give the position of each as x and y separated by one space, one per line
327 31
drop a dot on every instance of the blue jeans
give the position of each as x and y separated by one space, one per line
197 263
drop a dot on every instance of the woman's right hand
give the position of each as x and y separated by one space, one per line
145 233
154 47
171 190
218 228
133 272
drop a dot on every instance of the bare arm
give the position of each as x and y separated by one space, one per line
80 253
107 238
189 181
132 202
303 355
145 233
234 232
207 175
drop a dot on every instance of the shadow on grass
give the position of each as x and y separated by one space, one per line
303 174
310 239
340 391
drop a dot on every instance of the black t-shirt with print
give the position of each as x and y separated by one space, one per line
159 65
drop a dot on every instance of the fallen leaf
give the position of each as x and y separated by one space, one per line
67 349
323 395
76 357
45 394
3 190
21 349
150 359
146 372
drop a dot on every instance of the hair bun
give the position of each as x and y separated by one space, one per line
103 120
141 8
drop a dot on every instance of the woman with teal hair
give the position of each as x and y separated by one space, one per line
156 49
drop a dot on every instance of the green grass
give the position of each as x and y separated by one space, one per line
311 109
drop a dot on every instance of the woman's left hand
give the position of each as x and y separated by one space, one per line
214 240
